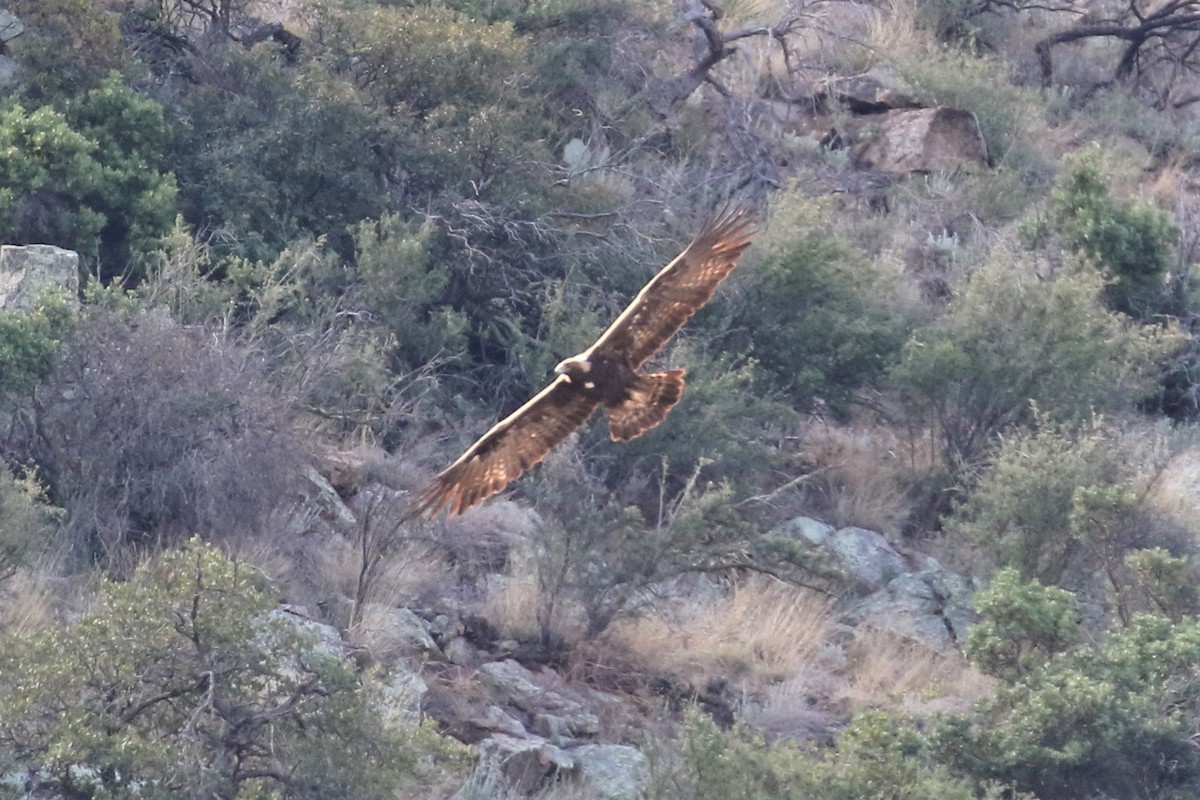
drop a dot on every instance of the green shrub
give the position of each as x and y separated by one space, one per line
821 317
1116 721
875 757
89 179
1011 343
180 682
1021 625
1020 510
1131 240
27 521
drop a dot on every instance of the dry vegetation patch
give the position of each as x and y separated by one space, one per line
760 631
891 673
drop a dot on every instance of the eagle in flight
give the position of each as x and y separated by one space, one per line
603 375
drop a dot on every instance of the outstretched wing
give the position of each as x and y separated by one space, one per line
512 446
678 291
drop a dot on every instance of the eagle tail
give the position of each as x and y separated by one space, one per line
649 400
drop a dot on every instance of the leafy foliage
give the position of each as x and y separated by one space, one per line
1020 509
179 683
89 179
1021 625
812 309
1116 720
875 757
1129 239
1011 343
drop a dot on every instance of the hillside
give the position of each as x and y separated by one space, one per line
925 523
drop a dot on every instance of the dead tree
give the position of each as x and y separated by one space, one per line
1154 34
718 46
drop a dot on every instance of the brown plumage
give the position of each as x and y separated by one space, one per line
604 374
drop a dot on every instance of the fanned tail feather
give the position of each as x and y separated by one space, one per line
650 399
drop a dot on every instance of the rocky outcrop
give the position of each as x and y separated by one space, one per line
25 271
932 607
920 600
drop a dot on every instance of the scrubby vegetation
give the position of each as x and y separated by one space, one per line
326 243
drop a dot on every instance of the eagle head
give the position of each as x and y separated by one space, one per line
573 367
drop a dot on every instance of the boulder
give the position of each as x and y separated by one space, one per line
866 556
923 140
391 633
812 530
612 771
26 271
877 90
932 607
10 26
402 690
522 764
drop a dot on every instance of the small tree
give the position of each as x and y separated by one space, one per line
180 683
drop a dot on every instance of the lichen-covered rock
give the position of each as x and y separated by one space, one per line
922 140
522 764
26 271
612 771
933 608
866 556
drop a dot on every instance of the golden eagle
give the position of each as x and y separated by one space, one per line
604 374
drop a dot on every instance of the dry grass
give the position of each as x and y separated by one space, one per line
892 673
892 34
513 605
37 596
763 630
861 475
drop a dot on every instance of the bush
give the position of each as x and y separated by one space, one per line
89 179
874 757
1112 722
821 317
154 433
1020 510
182 683
1130 240
1021 626
27 521
1012 343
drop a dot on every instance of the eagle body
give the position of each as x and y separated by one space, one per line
605 375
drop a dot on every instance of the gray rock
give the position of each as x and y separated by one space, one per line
10 26
813 530
403 690
26 271
497 719
554 713
932 608
404 632
866 556
460 651
522 764
612 771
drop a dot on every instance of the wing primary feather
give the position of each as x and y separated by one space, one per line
504 453
679 289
